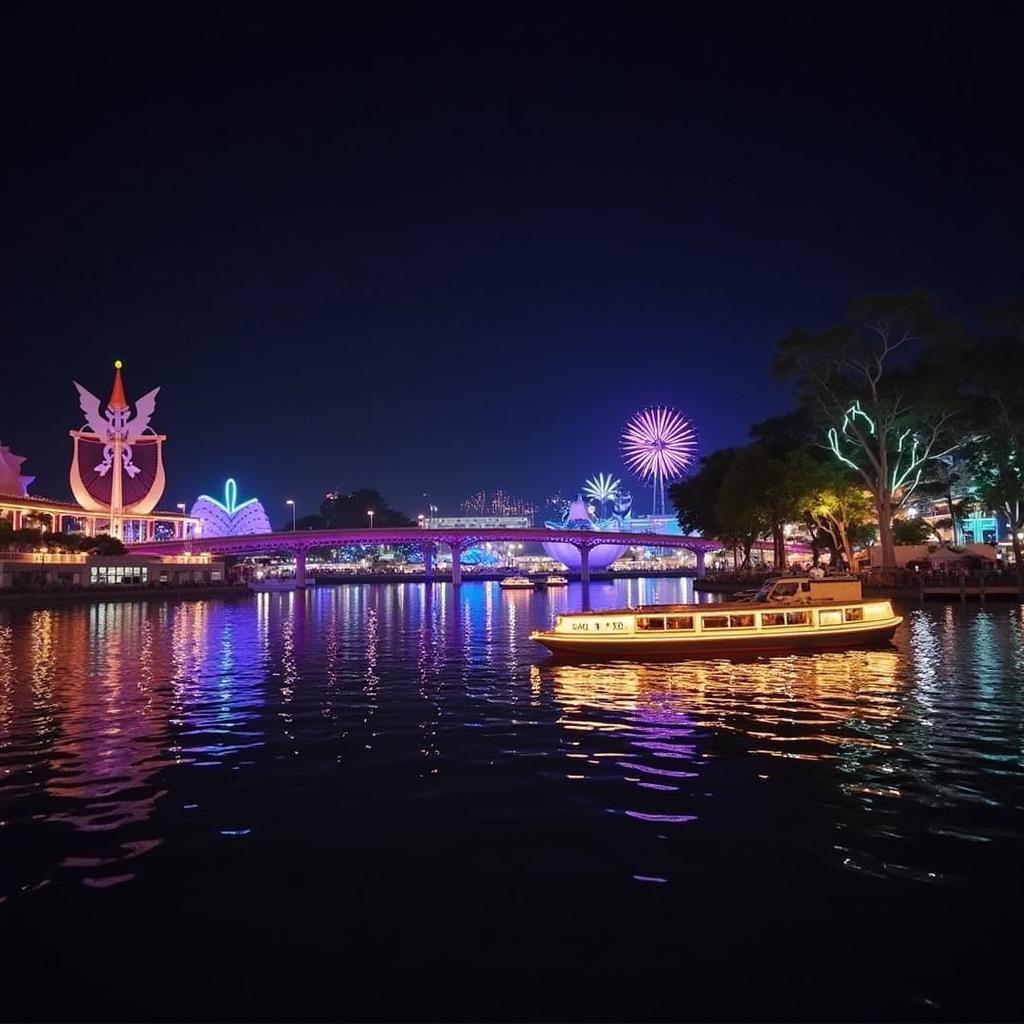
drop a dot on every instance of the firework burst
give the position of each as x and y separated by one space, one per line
659 444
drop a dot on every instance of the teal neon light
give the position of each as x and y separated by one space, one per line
849 417
230 495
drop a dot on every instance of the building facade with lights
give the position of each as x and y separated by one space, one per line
68 570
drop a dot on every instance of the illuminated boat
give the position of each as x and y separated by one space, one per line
789 613
554 581
516 583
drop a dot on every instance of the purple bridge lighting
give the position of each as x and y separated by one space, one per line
298 543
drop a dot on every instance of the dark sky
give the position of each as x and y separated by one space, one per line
438 248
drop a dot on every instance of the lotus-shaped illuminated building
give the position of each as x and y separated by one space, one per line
578 518
228 518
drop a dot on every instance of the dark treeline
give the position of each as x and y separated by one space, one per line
31 538
351 512
894 405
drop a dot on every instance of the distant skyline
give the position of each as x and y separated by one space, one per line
437 252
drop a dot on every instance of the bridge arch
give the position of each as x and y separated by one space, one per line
300 542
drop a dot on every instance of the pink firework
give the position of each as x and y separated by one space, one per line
659 444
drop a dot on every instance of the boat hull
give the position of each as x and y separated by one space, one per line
716 646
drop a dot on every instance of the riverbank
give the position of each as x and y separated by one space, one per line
953 591
490 576
96 594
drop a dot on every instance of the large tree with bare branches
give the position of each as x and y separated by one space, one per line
872 385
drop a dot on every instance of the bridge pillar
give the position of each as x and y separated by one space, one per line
300 568
428 560
700 563
456 564
584 551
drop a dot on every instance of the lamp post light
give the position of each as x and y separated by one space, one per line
184 526
370 514
291 502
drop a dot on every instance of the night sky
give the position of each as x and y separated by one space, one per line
431 248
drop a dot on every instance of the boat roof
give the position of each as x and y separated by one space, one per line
711 609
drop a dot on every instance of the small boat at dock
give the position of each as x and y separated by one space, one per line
273 583
789 613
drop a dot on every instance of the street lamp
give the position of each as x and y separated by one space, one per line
291 502
370 514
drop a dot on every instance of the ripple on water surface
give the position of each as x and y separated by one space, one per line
414 757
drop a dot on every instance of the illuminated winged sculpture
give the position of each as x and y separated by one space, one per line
114 423
117 466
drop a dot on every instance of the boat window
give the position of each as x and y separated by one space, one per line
650 622
854 614
798 618
832 617
679 622
742 621
714 621
773 618
784 590
805 587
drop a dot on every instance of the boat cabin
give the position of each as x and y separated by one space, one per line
809 590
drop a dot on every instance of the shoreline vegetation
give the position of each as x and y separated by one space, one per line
907 426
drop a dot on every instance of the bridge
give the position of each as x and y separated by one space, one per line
298 543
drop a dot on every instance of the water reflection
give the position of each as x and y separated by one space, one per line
128 727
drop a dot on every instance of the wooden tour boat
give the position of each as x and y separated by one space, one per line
789 613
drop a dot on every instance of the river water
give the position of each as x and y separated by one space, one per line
379 801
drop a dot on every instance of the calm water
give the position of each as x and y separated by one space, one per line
376 802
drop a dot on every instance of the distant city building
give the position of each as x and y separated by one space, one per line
499 504
475 505
478 522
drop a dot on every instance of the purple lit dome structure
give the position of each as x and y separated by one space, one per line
229 519
578 518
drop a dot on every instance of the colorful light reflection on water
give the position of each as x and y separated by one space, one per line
329 789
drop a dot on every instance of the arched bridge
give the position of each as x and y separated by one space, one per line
300 542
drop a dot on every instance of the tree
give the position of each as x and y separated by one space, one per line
884 418
911 531
705 505
103 545
749 502
696 497
837 505
994 384
350 511
948 479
